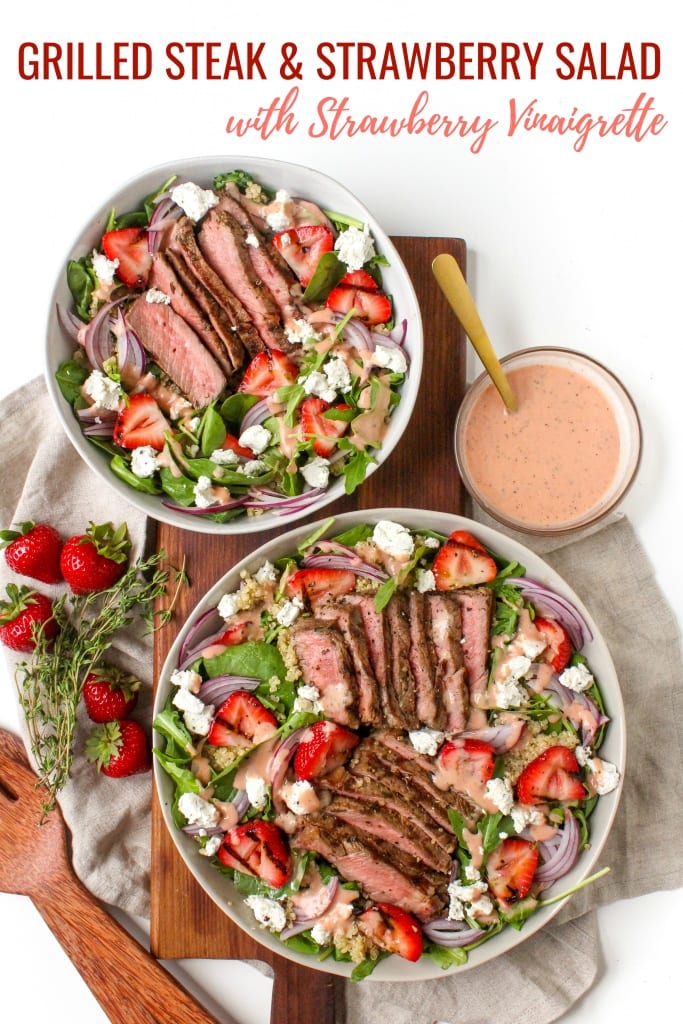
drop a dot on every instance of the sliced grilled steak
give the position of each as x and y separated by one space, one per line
400 675
376 627
445 627
429 704
176 348
325 663
476 606
224 244
348 620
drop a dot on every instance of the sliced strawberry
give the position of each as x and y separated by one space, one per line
466 765
467 538
267 372
559 649
322 748
258 848
371 306
141 423
459 565
360 279
510 869
129 246
221 735
553 775
314 424
392 928
302 247
232 444
244 713
308 584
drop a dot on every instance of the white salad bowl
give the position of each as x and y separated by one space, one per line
221 890
298 181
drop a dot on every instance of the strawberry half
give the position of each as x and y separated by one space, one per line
360 279
258 848
466 765
559 649
372 306
392 928
119 749
302 247
553 775
141 423
324 431
33 551
510 869
129 246
459 565
309 584
322 748
23 614
244 714
466 538
267 372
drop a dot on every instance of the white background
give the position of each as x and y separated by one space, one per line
566 248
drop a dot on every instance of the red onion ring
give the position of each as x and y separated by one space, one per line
209 620
165 214
562 857
202 830
451 934
257 414
214 691
211 510
69 322
549 602
344 562
501 737
96 337
311 906
278 765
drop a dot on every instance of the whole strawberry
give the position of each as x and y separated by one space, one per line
33 550
96 559
23 615
109 694
119 748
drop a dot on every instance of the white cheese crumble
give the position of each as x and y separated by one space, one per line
203 493
252 240
186 679
577 678
392 359
156 296
194 200
198 811
185 700
471 899
256 438
604 775
517 667
199 722
211 846
300 797
523 815
267 912
426 741
499 791
532 648
289 612
316 383
278 217
256 789
316 472
300 331
308 699
104 391
393 538
355 247
424 580
337 373
143 461
104 268
230 604
321 935
224 457
509 693
266 573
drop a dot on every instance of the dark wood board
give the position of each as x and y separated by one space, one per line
420 473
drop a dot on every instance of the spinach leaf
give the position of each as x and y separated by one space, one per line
82 281
255 658
70 376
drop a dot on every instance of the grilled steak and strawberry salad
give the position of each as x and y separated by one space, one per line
388 741
235 350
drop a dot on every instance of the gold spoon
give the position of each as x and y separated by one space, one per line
454 286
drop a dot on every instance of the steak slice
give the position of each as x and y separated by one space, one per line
445 627
476 607
400 675
348 620
376 628
224 244
325 663
372 864
429 704
176 348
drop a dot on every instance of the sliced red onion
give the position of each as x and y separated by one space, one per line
278 765
501 737
263 498
404 334
202 830
69 322
566 697
388 342
241 803
310 906
96 337
165 213
257 414
204 626
103 429
211 510
357 334
93 414
549 602
130 354
214 691
353 563
561 857
451 934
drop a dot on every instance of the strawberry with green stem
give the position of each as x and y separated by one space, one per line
110 694
119 749
96 559
25 616
33 550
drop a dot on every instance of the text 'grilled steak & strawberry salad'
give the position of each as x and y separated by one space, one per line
388 741
236 351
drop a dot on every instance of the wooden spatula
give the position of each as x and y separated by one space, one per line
129 983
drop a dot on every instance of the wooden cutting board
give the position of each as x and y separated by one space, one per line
420 473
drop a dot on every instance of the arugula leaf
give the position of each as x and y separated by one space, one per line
355 469
120 468
444 957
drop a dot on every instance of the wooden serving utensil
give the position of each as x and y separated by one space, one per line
129 983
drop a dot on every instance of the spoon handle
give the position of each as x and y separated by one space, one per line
454 286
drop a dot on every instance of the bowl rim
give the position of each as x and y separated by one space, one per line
214 884
588 520
207 166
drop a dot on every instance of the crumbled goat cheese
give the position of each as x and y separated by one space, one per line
523 815
532 648
203 493
316 383
199 722
186 679
604 775
230 604
337 373
426 741
321 935
499 791
193 424
316 472
156 296
257 791
143 461
267 573
278 217
198 811
509 694
300 797
224 457
431 542
104 268
393 538
256 438
104 391
577 678
307 699
251 468
193 200
300 331
424 580
472 874
355 247
211 846
252 240
517 668
267 912
289 612
392 359
471 899
185 700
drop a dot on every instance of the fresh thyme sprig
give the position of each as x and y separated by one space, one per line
50 684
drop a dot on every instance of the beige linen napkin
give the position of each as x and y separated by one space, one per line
546 974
